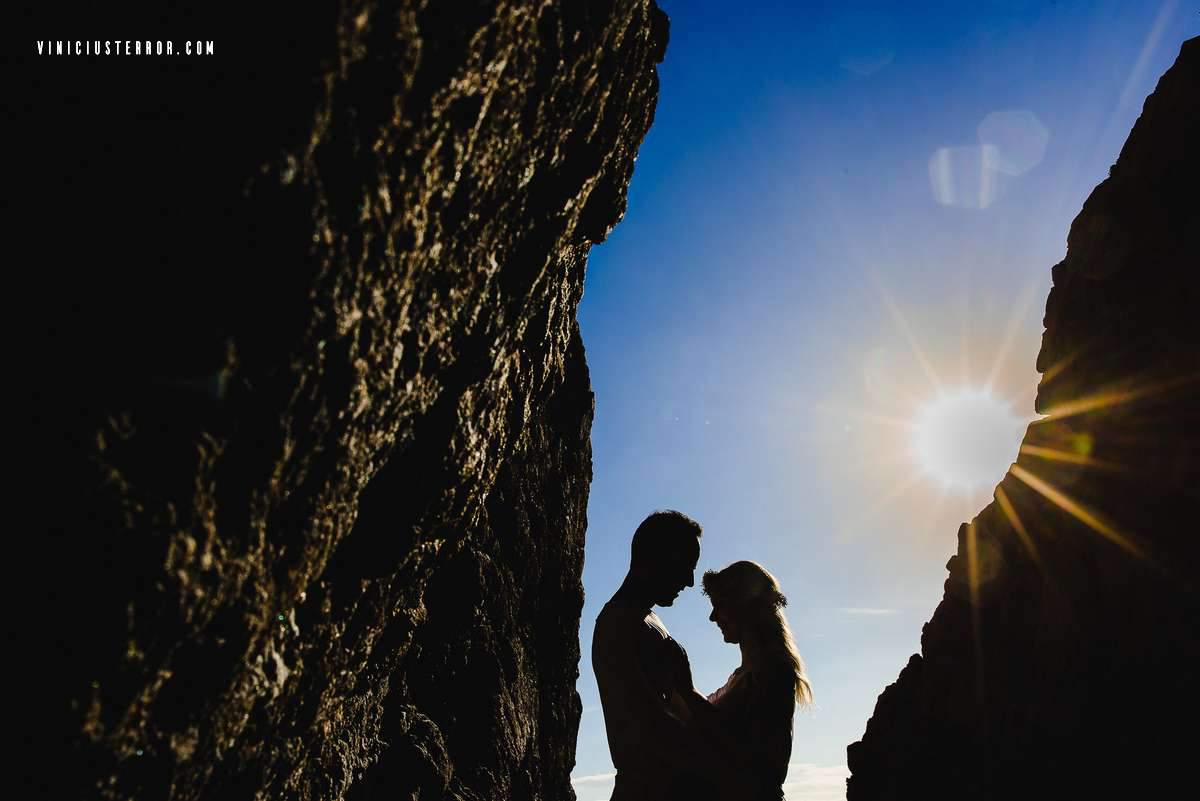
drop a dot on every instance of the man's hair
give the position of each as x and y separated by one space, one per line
662 533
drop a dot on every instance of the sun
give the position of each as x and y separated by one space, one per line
929 430
929 422
965 439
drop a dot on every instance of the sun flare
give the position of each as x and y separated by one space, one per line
965 439
934 418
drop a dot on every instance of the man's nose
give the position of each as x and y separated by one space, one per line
692 579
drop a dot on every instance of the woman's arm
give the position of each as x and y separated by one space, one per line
763 756
707 722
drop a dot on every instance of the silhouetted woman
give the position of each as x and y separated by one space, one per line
750 718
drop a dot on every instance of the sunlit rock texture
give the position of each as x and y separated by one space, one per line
312 403
1062 660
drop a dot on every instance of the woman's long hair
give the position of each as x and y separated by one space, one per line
750 588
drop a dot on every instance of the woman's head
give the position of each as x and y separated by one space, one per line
748 609
744 598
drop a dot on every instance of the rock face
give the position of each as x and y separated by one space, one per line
1061 662
311 406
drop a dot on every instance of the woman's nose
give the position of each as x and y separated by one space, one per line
713 616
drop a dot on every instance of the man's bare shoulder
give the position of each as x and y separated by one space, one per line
619 615
618 621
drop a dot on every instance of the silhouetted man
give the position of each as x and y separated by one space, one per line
639 666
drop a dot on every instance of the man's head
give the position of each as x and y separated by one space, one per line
664 553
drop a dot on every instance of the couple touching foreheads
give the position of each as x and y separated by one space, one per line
667 739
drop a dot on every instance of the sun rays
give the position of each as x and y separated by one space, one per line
972 543
904 439
1010 513
928 405
1088 517
931 380
1119 396
906 330
1019 314
927 427
1069 457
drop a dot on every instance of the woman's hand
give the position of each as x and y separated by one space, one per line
682 673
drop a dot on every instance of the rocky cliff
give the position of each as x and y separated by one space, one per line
310 405
1061 662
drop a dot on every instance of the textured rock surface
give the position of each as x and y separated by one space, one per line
311 400
1061 662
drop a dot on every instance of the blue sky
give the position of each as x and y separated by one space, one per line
828 191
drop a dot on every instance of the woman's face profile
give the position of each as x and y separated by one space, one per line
725 620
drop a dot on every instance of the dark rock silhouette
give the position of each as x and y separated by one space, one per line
1067 668
310 403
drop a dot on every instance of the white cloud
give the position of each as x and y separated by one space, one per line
595 778
810 782
806 781
866 610
596 787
